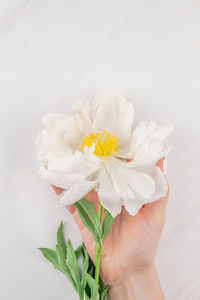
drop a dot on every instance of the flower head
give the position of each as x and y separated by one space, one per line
97 148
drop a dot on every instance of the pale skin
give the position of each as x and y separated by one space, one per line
129 250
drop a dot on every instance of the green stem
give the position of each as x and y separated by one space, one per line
98 260
98 248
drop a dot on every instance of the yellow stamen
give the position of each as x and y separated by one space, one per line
105 143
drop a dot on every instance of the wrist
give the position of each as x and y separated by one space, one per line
144 285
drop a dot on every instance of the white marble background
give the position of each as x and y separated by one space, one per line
53 52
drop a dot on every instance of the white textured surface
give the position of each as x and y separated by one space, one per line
52 52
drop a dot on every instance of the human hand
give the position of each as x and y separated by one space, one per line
129 250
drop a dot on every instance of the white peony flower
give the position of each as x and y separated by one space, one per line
90 148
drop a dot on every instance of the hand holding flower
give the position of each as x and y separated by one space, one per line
129 249
97 153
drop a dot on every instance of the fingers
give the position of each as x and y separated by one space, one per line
160 163
57 190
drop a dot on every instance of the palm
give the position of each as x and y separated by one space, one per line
132 241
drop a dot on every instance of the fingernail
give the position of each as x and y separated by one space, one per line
165 166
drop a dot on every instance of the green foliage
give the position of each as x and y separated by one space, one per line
72 264
107 224
85 266
51 256
93 286
79 251
60 240
105 291
76 264
64 268
89 217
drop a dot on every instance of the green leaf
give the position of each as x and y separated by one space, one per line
61 260
84 267
91 271
64 268
86 260
89 217
101 284
86 297
79 251
107 224
61 241
72 265
91 268
103 295
93 286
51 256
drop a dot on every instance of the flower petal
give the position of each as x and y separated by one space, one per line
59 123
161 186
108 195
147 144
61 132
76 191
113 114
147 184
75 163
133 205
47 144
130 181
83 114
71 171
58 178
161 189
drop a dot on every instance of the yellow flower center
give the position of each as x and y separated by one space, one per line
104 143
